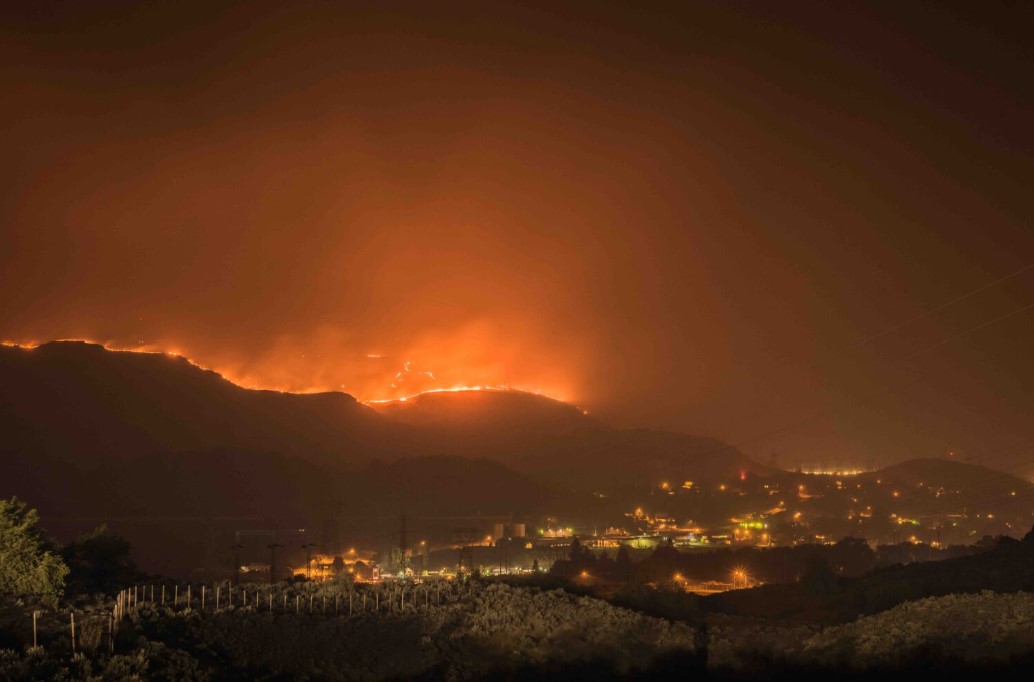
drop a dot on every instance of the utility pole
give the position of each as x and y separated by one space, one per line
237 547
403 543
272 561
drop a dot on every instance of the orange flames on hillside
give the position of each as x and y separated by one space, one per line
406 384
461 389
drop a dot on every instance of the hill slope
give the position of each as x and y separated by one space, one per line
79 401
72 412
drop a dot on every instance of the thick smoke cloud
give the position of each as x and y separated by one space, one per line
682 217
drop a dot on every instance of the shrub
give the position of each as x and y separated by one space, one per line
29 567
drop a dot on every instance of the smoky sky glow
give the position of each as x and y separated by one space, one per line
683 216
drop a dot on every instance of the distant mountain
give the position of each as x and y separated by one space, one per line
558 442
103 432
944 472
620 459
78 401
946 483
444 486
488 414
1007 565
227 483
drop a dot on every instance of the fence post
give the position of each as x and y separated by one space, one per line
217 589
35 615
163 595
188 597
203 597
72 616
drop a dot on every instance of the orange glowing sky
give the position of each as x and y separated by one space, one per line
676 215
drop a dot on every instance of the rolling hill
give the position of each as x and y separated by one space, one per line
74 409
80 402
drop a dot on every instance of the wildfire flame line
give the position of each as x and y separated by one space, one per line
460 389
149 350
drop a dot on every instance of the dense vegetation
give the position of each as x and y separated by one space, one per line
455 631
29 564
482 630
537 627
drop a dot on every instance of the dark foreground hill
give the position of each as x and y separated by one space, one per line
74 413
962 485
80 403
1008 566
487 414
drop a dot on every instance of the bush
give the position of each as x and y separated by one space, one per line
29 567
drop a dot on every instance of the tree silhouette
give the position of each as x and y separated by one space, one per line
29 566
99 561
819 577
623 564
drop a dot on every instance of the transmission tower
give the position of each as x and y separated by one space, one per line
308 559
465 538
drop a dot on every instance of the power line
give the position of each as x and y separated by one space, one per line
859 344
941 307
970 331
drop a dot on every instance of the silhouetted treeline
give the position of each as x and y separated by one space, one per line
1008 566
847 558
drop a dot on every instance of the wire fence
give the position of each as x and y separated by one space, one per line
80 630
